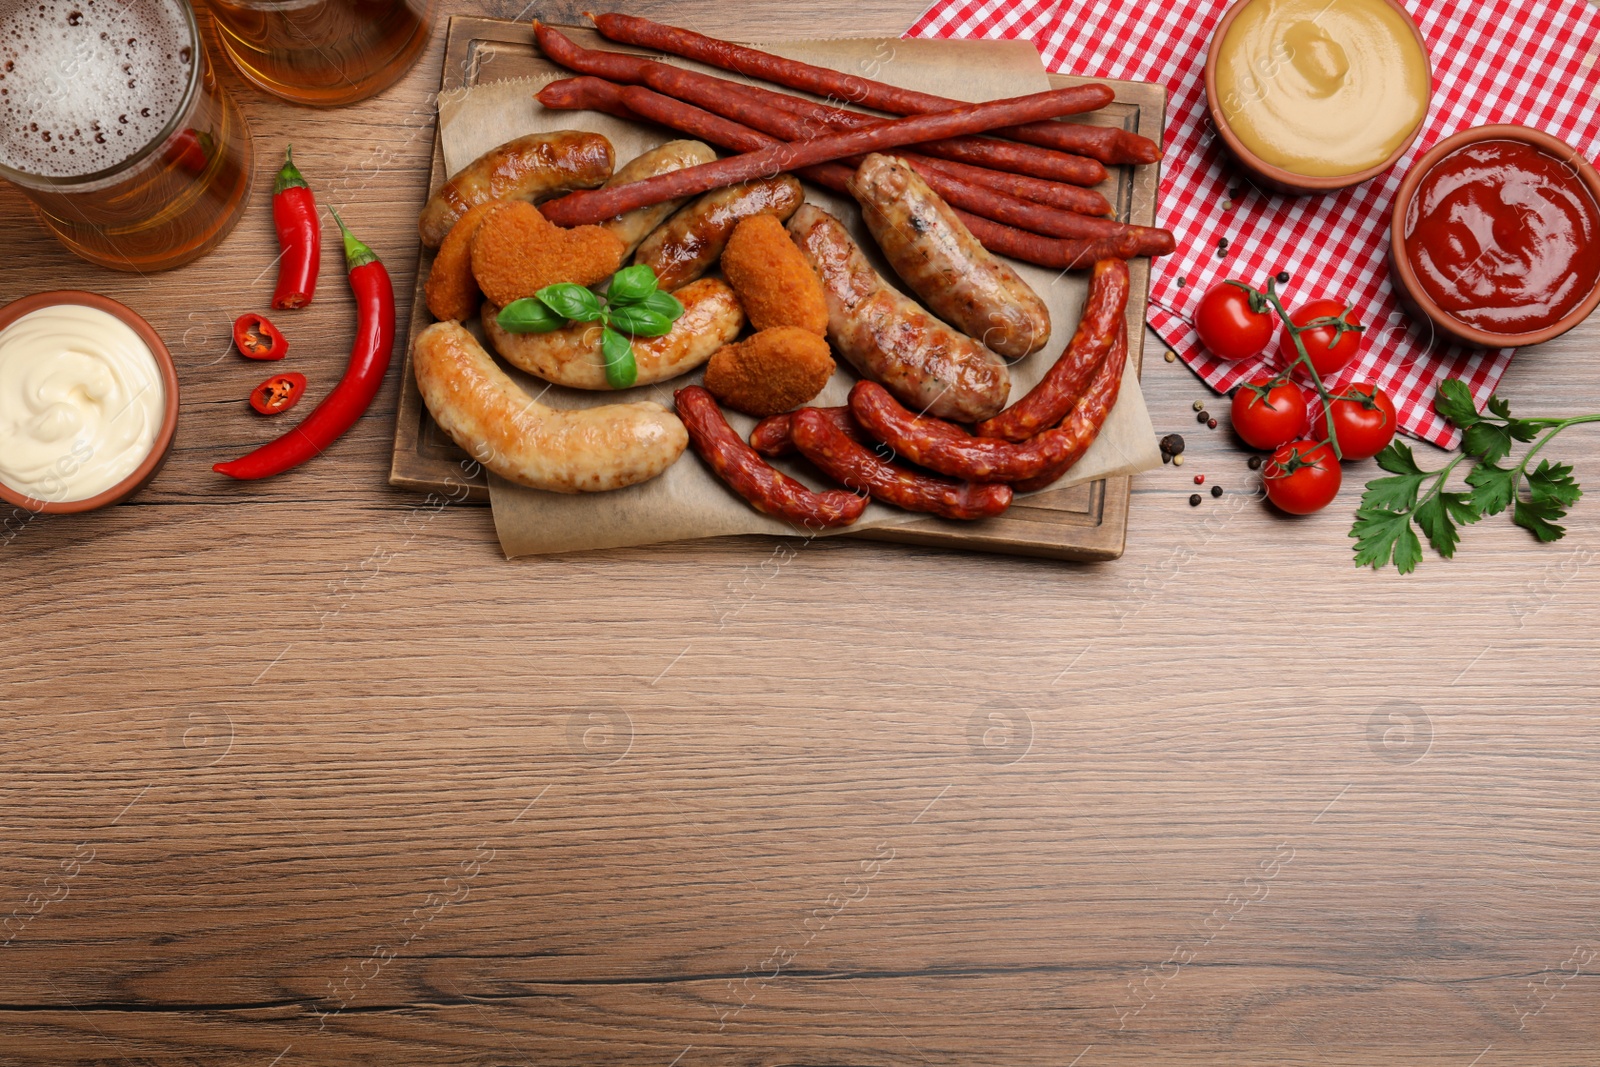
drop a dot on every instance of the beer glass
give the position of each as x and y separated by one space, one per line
113 124
323 52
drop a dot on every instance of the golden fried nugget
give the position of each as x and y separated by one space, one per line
771 371
775 284
452 291
517 251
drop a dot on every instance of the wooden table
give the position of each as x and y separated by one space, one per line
303 772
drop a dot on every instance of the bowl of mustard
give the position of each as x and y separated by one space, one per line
1312 96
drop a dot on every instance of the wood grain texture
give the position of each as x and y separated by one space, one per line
302 772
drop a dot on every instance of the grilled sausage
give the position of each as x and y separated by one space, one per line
636 225
934 254
690 243
572 356
588 450
889 339
533 168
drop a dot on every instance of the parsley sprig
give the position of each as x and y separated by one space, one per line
632 305
1539 497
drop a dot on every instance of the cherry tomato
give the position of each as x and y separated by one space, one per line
1270 420
256 337
1328 355
1227 325
1366 424
1302 477
278 393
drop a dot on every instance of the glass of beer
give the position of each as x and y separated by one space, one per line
113 124
323 52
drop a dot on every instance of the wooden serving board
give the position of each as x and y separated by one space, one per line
1083 522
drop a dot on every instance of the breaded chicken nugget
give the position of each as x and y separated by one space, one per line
771 371
775 284
517 251
452 290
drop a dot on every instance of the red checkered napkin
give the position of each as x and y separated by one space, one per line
1533 62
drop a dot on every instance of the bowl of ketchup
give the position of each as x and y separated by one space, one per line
1496 237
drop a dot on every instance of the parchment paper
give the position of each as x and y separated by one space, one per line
687 501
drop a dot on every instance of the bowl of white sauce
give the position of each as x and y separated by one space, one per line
88 402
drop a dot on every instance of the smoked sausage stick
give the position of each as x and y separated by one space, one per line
1016 162
855 466
1104 143
984 151
595 206
598 94
787 126
766 488
1064 384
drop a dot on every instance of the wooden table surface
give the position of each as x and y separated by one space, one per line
304 772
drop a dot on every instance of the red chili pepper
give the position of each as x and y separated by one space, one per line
255 336
278 393
191 150
294 214
349 400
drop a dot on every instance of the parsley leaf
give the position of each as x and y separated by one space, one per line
1380 533
1551 491
1454 402
1493 487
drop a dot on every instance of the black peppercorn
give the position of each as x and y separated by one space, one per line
1255 463
1194 500
1283 277
1203 417
1216 490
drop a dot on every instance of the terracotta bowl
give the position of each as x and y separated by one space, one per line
1287 181
1410 290
169 419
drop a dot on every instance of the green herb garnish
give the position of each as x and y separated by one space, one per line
632 305
1538 497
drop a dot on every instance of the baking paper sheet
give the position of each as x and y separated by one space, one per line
687 500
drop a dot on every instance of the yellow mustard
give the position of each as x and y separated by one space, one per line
1321 88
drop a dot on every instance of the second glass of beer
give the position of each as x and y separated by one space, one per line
323 52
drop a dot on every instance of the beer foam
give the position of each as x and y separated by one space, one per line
84 84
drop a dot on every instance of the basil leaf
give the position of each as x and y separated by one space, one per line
663 304
529 315
571 301
621 370
631 284
639 321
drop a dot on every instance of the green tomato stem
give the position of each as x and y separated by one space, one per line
1304 358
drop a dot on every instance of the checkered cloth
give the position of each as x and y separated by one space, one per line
1533 62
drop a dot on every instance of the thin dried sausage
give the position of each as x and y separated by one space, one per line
1064 383
766 488
582 208
1107 144
856 466
1083 425
772 436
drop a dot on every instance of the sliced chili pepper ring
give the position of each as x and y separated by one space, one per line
278 393
257 338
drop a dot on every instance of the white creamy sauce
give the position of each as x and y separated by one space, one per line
81 402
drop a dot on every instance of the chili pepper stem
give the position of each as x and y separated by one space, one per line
289 177
356 251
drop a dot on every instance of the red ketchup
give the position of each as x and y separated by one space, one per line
1504 237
